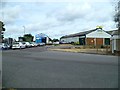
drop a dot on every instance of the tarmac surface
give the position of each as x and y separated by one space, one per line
41 68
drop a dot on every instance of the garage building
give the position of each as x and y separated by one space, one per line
94 37
42 38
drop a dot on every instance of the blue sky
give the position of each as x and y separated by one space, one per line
56 18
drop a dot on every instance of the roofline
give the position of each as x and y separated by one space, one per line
66 36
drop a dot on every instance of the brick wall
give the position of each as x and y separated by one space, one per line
99 41
91 41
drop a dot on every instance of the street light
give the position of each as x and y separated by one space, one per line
24 29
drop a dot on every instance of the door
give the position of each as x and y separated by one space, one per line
82 41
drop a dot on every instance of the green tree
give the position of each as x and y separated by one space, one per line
2 29
117 15
28 38
55 40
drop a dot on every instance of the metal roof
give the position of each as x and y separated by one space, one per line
79 34
114 32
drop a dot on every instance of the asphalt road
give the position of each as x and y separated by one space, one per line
39 68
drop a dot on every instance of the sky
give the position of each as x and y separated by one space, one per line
55 18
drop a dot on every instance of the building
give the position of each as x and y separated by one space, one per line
115 41
42 38
93 37
20 39
9 41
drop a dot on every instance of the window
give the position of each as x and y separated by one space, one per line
107 41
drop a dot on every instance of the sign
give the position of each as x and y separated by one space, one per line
99 26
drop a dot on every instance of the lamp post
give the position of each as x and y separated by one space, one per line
24 29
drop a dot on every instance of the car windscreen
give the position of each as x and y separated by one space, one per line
16 43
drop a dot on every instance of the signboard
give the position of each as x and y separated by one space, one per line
99 27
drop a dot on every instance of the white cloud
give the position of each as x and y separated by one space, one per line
10 14
57 19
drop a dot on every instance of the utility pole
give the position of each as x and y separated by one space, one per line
24 30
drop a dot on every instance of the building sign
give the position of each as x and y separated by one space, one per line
100 27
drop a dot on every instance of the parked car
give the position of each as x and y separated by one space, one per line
24 44
56 43
28 45
4 46
34 44
41 44
9 47
18 45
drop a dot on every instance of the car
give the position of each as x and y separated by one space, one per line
34 44
56 43
24 44
4 46
8 46
18 45
28 45
41 44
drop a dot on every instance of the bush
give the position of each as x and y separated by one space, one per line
75 43
102 46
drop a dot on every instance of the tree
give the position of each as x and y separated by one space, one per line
28 38
117 15
55 40
2 29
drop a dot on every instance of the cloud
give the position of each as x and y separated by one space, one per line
57 19
11 14
72 11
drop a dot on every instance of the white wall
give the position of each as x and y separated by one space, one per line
98 34
115 45
70 39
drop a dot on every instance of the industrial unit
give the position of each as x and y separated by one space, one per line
94 37
42 38
115 41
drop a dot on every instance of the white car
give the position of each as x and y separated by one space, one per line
42 44
34 44
24 44
56 43
28 44
18 45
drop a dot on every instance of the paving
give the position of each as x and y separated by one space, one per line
41 68
79 49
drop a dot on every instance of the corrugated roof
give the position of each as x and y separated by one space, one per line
79 34
114 32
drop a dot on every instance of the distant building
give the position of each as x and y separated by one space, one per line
8 41
115 41
42 38
20 39
94 37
